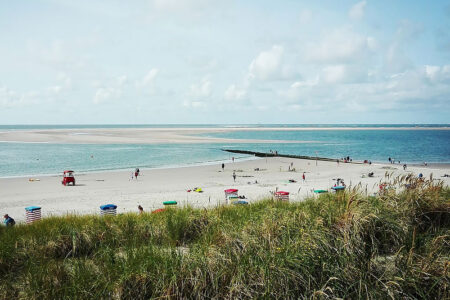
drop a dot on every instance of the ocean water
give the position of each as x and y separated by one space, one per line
409 146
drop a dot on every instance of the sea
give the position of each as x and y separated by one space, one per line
409 146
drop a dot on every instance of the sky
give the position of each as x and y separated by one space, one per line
224 62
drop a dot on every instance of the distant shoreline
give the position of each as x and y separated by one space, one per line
163 135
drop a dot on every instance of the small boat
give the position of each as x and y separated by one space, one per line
320 191
338 188
170 202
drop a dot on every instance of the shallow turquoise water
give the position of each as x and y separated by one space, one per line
377 145
23 159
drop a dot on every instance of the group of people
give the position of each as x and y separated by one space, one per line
346 159
392 160
339 182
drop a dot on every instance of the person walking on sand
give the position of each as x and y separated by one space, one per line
136 173
234 176
223 167
404 167
8 221
304 177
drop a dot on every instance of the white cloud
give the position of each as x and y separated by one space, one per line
300 89
415 89
55 90
235 93
64 84
356 12
106 94
438 74
194 104
149 78
202 89
396 59
408 30
267 65
345 74
122 80
59 54
305 83
113 91
340 46
305 16
146 84
65 80
10 98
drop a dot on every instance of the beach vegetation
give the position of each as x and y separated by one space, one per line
392 245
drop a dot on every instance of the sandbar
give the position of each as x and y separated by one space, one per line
162 135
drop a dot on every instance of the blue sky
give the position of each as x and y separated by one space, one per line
204 61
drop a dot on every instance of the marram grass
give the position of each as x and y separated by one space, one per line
395 245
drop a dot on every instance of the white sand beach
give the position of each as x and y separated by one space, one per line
157 185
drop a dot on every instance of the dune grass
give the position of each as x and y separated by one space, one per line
345 245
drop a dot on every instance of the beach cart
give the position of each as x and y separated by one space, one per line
230 195
108 209
68 178
282 196
33 213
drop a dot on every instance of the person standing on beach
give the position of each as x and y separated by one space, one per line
234 176
223 167
304 177
141 209
404 167
136 173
